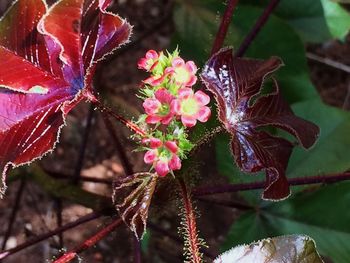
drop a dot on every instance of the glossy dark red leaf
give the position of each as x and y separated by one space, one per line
242 108
47 60
132 197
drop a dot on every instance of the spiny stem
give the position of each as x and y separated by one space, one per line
190 225
256 28
230 188
107 111
225 23
13 215
39 238
69 256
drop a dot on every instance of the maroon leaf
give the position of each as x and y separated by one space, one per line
48 57
132 197
236 84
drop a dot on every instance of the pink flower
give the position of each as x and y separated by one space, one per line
155 80
152 142
164 158
149 61
158 108
191 106
183 73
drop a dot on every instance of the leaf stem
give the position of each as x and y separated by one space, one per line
192 242
230 188
38 239
256 28
224 25
69 256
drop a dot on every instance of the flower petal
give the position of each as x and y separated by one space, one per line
155 143
178 62
191 67
172 146
153 119
204 114
164 96
162 168
175 107
191 81
151 106
188 121
152 54
150 156
202 98
175 163
185 93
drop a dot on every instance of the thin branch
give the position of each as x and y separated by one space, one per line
82 150
69 256
225 23
328 62
59 208
82 178
39 238
256 28
225 203
230 188
128 169
14 211
192 243
120 148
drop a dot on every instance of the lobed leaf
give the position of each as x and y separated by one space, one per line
132 197
293 248
244 111
48 57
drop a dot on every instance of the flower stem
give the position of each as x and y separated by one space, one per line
256 28
225 23
192 242
230 188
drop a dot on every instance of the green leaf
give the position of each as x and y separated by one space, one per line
331 154
322 214
338 19
314 20
293 248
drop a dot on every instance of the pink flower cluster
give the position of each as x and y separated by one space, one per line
169 100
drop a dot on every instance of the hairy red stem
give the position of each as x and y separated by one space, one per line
230 188
107 111
225 23
190 224
39 238
256 28
69 256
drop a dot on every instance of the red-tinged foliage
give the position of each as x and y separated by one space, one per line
132 197
48 57
237 86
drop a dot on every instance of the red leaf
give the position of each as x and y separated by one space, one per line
48 57
236 84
